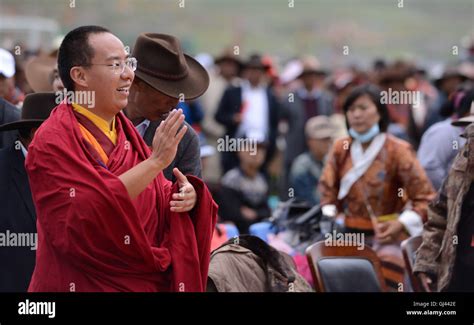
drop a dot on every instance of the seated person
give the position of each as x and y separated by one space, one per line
244 190
307 167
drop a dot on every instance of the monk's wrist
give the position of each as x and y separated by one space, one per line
156 165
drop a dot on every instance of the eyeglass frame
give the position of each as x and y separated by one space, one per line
122 64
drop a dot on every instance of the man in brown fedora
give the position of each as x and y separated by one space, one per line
108 220
165 76
17 215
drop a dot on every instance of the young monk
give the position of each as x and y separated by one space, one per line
108 220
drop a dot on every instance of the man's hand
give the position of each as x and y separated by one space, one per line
426 281
185 200
167 138
389 231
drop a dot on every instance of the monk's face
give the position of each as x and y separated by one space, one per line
111 87
147 102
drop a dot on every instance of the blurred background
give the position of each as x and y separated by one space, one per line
421 30
282 74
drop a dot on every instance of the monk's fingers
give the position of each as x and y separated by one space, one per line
175 122
181 196
181 206
182 180
167 121
170 121
180 134
184 195
186 186
159 129
180 210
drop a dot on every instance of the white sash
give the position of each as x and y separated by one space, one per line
361 161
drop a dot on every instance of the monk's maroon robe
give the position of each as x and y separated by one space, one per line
92 236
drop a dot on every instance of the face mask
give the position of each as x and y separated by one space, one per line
367 136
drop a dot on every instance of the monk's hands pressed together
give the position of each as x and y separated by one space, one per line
166 139
185 200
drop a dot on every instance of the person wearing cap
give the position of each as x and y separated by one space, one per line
445 259
108 220
243 195
164 77
18 215
442 141
224 73
307 167
229 65
7 75
8 111
307 101
247 108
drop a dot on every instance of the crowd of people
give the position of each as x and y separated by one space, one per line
167 156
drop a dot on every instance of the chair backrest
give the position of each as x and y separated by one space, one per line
409 248
345 268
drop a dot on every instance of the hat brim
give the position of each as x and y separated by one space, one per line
21 124
464 121
322 134
315 72
229 59
438 81
192 86
38 73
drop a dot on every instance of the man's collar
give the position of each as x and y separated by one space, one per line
145 122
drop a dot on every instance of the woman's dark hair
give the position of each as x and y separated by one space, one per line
75 50
374 93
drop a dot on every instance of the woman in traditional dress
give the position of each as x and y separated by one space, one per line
376 183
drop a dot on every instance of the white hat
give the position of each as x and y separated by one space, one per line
7 63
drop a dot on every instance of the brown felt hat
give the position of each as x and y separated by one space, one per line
36 109
163 65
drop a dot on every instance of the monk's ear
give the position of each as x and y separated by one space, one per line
78 75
